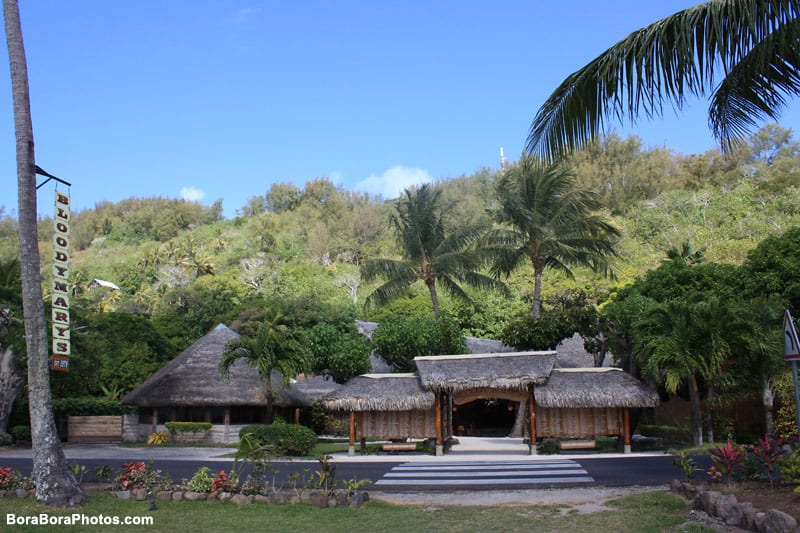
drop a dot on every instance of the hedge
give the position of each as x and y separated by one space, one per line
192 427
64 407
276 439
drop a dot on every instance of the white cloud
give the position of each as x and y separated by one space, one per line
192 194
392 182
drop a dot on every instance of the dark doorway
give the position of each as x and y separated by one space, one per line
484 418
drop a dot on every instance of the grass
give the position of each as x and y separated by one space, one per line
645 512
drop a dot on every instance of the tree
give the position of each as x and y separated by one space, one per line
550 223
272 348
12 346
755 43
55 483
690 343
428 254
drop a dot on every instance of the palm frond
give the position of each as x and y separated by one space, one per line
387 269
664 62
389 290
756 88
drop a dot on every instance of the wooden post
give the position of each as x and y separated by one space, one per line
626 423
297 415
439 438
155 420
226 419
351 448
532 420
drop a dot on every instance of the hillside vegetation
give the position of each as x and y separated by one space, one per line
182 269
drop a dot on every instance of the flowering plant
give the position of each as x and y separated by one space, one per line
221 482
769 452
139 475
727 459
8 479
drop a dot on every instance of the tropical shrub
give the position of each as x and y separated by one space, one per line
21 433
399 339
727 460
64 407
221 482
549 447
769 452
158 438
140 475
8 478
790 468
296 440
187 427
201 480
276 439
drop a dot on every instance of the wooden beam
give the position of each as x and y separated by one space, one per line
352 428
439 438
626 423
532 419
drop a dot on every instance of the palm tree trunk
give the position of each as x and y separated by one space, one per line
767 400
697 415
55 483
537 292
12 379
709 416
434 298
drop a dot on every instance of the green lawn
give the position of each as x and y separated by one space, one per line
656 511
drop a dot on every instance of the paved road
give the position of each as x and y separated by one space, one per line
425 473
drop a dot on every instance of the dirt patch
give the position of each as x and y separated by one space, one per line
782 498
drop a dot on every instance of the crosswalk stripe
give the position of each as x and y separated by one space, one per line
486 473
496 481
478 473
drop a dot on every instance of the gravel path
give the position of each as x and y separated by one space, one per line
580 499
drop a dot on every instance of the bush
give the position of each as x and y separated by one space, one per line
399 339
276 439
201 480
549 447
670 434
64 407
188 427
296 440
21 433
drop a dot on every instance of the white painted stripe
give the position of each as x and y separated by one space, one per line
483 467
504 481
483 463
477 473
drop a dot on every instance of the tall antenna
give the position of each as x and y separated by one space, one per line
502 159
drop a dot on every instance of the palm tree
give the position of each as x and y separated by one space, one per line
755 44
551 223
272 348
686 254
55 483
689 343
428 254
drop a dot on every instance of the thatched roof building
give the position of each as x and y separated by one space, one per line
594 387
500 371
192 378
304 392
380 392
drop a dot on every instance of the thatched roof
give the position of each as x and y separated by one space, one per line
192 378
594 387
515 370
303 393
380 392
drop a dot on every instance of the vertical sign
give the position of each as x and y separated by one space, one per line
61 341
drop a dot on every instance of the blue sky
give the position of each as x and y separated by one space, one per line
210 99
